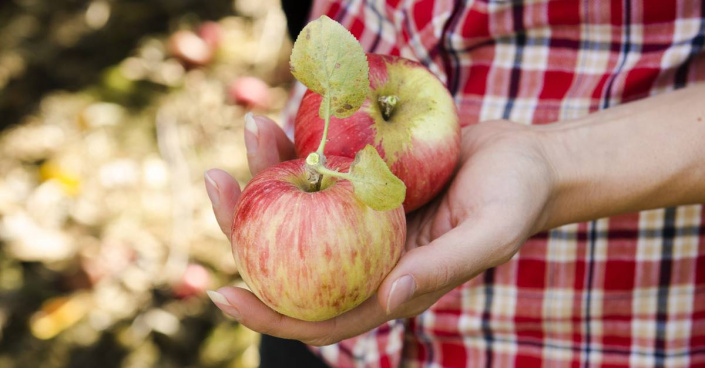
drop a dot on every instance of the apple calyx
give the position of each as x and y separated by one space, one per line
387 105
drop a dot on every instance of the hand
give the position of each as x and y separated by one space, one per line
496 201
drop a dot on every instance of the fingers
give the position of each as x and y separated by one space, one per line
244 306
266 143
224 192
425 225
457 256
247 309
414 275
413 286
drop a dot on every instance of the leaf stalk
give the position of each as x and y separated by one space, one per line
324 138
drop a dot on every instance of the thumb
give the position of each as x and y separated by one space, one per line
436 268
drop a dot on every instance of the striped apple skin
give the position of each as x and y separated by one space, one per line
312 255
420 142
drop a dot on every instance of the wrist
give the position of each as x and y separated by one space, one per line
638 156
570 172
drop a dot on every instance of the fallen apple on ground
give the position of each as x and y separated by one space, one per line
250 92
190 49
409 117
211 33
194 281
315 254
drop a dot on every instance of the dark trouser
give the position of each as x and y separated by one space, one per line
280 353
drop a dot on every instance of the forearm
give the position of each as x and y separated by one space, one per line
642 155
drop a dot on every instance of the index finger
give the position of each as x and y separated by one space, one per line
266 143
224 192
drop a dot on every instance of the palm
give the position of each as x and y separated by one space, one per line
500 189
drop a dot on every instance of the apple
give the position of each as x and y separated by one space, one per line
191 49
212 33
310 254
250 92
409 117
194 281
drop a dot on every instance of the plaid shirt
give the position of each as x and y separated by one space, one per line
626 291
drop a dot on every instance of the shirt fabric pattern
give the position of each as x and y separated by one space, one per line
626 291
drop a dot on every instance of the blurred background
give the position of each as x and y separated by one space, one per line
110 112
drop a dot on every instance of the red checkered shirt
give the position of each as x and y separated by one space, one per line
625 291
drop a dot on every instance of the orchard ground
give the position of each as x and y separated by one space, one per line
107 237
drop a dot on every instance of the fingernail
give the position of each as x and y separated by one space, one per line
402 290
251 133
224 304
212 190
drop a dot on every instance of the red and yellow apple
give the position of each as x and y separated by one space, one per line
310 254
190 49
249 92
409 117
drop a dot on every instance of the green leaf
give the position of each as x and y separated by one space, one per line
329 61
373 183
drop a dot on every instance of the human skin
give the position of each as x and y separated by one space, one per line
513 181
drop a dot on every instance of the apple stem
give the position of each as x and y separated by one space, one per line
387 105
315 169
314 163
